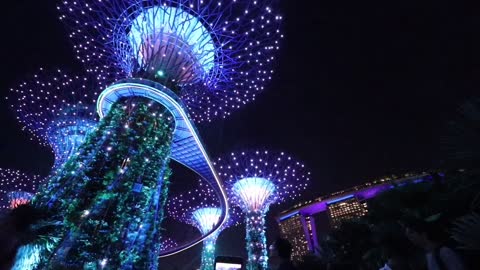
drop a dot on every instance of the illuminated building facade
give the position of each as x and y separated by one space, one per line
346 209
298 225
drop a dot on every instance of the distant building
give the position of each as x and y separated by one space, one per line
348 208
297 224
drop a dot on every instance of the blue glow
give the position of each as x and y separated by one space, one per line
28 257
206 218
340 199
255 193
158 31
289 215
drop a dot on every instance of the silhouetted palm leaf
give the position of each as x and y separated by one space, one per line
467 232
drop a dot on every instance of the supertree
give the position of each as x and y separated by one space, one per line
212 56
16 188
215 55
199 208
256 180
57 109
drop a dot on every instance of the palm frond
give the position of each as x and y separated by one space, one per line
467 232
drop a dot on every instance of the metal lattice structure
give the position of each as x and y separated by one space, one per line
57 109
217 54
256 180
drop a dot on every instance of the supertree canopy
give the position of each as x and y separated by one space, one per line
57 109
200 208
16 188
216 55
256 180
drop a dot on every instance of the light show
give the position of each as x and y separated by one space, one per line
57 109
215 55
167 65
200 209
256 180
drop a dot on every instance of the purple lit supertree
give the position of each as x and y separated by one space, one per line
57 109
256 180
216 55
200 209
211 56
16 188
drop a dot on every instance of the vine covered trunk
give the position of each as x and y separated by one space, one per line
256 241
107 201
208 253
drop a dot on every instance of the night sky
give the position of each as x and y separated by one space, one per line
362 89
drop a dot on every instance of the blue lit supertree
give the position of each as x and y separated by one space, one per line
57 109
256 180
200 209
175 61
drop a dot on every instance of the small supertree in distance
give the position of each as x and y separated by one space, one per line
57 109
16 188
200 208
256 180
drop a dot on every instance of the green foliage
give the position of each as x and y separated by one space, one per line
109 197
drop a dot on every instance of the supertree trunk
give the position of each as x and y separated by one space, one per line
208 253
256 241
109 197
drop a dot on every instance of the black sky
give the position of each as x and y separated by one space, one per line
362 88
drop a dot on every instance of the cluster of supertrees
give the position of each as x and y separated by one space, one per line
254 181
153 68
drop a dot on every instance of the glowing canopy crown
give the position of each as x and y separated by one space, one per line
255 193
169 41
206 218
